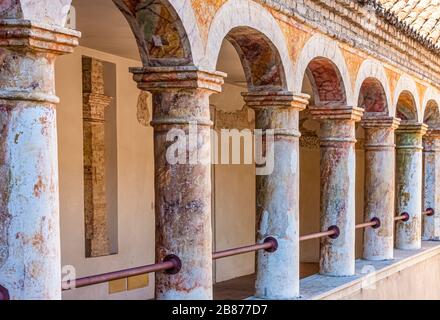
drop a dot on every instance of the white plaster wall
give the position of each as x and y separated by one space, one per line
234 207
135 177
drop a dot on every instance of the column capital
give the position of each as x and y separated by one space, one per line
39 37
94 105
431 140
412 127
409 135
380 122
337 113
276 99
156 79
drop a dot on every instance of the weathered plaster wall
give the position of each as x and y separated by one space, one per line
135 177
234 195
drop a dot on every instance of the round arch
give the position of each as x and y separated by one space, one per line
322 47
371 69
244 13
170 17
431 94
407 84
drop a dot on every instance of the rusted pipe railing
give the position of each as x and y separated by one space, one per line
171 265
404 217
269 244
428 212
4 294
373 223
332 232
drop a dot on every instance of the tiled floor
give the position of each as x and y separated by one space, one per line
244 287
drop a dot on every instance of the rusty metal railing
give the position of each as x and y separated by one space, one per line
428 212
404 217
171 264
373 223
269 244
332 232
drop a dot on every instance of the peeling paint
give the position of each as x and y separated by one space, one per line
337 142
29 204
183 219
409 184
431 188
277 194
379 186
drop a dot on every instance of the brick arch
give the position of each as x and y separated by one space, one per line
431 107
324 49
372 89
406 96
166 31
256 35
327 82
432 114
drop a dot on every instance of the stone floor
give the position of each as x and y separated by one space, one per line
243 287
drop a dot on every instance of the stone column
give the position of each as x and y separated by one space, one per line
379 186
431 153
409 166
277 194
30 266
338 173
95 208
183 189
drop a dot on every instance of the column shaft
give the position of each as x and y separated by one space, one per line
277 194
182 190
30 264
379 186
338 171
95 202
409 165
431 195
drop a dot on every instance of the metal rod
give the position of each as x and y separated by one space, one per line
171 265
403 217
270 245
374 223
429 212
332 232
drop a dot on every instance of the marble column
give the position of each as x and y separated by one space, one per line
277 193
95 206
431 195
338 173
379 186
182 189
30 261
409 166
